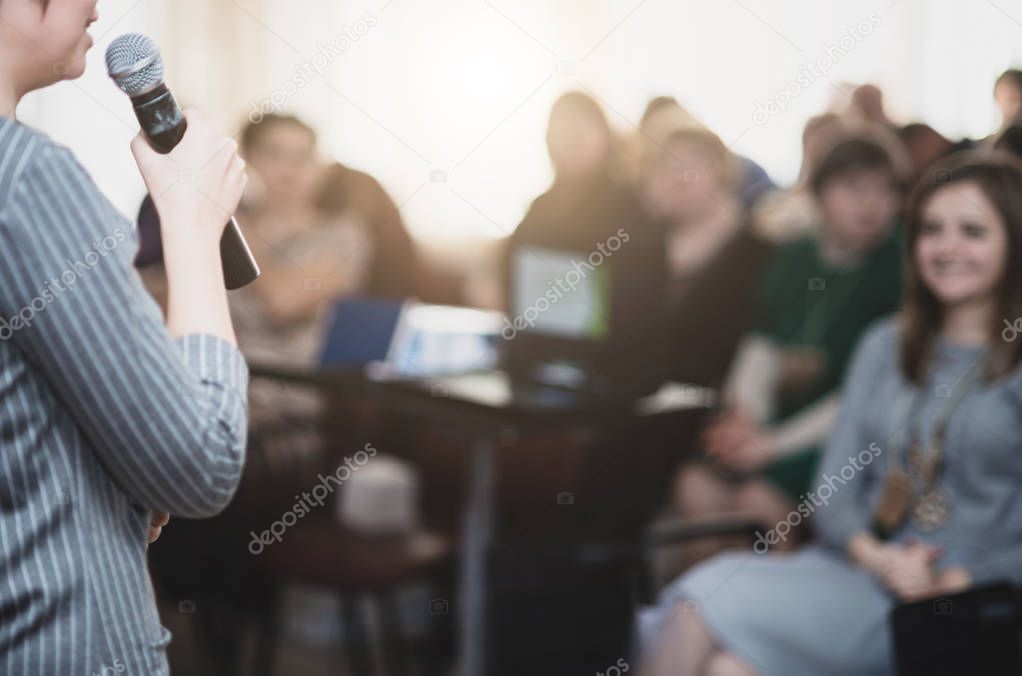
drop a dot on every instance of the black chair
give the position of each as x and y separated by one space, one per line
972 632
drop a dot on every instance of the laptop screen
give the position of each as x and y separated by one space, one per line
434 340
559 293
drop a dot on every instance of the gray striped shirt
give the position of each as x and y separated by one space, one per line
103 417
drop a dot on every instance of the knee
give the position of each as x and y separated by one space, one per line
728 664
698 492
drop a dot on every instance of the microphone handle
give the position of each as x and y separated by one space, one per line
240 266
164 125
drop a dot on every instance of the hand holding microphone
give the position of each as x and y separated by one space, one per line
195 189
194 175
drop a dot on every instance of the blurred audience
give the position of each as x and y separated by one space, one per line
926 146
1008 95
690 187
816 298
663 116
764 294
961 524
588 201
787 213
1009 139
867 105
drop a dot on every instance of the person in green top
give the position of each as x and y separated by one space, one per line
816 297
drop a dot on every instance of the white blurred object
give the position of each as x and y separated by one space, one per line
381 498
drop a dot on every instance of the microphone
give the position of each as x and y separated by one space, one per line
136 67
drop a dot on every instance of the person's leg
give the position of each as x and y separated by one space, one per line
762 500
723 663
699 492
680 648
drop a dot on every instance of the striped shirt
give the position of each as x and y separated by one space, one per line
103 417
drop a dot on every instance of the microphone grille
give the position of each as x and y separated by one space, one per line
134 63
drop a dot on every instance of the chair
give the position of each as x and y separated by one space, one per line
972 632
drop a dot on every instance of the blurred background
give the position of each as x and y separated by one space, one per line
465 87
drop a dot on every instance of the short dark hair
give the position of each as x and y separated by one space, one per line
851 154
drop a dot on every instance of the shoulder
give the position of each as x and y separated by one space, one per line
23 151
791 263
29 158
880 341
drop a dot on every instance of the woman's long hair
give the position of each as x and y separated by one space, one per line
999 177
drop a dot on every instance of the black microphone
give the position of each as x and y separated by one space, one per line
135 64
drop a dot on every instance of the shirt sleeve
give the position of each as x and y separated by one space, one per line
166 417
847 510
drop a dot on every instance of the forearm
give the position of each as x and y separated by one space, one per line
196 296
752 381
865 551
807 429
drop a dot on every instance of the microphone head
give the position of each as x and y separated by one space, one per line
135 64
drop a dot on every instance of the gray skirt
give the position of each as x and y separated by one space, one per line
809 612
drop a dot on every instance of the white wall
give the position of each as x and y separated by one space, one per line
464 86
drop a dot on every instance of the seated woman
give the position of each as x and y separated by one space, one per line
817 296
919 490
689 189
664 115
318 234
593 215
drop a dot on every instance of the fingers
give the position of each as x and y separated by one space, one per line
157 520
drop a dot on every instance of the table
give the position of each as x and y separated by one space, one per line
484 407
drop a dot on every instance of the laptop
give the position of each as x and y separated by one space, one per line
569 322
410 339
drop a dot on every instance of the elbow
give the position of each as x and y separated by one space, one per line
219 459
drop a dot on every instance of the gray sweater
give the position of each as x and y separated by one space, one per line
983 455
103 417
